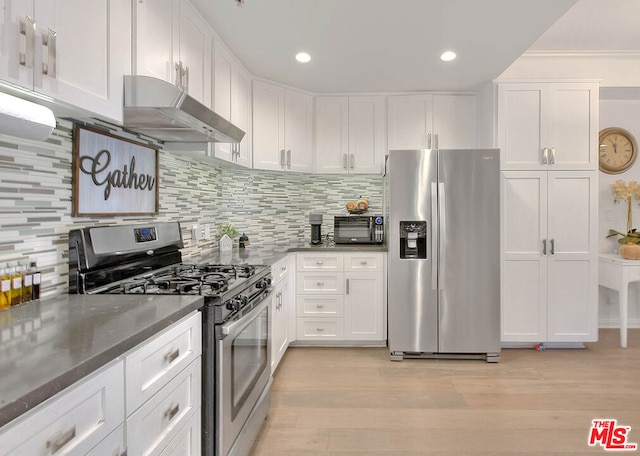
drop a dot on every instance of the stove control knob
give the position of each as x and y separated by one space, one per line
243 300
234 304
263 283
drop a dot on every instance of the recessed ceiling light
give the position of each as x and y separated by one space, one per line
303 57
448 56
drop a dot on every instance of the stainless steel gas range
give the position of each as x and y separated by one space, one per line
236 379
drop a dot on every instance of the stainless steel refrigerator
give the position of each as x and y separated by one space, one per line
443 253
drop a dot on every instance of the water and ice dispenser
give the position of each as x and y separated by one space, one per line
413 239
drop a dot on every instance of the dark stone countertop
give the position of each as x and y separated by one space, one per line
46 346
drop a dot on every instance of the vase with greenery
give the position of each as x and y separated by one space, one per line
625 192
227 234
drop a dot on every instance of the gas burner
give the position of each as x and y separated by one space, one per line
245 270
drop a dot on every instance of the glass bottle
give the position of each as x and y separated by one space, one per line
27 282
16 285
5 287
35 286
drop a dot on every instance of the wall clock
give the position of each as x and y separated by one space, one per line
618 150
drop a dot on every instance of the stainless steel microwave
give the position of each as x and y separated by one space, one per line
358 229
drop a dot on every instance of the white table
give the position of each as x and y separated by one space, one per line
617 273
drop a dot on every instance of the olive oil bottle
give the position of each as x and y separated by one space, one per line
16 286
5 287
27 282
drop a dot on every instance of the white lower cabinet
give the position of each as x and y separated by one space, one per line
280 311
72 422
341 297
156 413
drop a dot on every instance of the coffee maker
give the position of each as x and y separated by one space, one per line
316 228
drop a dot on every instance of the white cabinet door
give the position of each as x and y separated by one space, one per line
154 34
524 265
298 128
75 51
332 135
280 316
455 120
195 53
367 134
241 115
363 304
573 275
549 268
410 121
268 128
548 126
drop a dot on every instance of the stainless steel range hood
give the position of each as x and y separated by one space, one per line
163 111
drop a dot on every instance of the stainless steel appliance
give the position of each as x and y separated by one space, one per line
443 244
236 380
315 220
358 229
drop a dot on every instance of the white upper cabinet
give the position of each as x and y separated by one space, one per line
173 43
548 126
282 128
350 134
72 51
430 121
232 100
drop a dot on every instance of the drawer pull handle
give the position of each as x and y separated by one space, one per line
172 355
319 262
320 306
60 439
320 284
319 330
172 411
363 263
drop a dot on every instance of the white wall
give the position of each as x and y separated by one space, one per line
625 114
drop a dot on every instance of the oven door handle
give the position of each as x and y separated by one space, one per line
240 323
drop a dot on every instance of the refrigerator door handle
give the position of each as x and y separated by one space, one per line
434 236
442 223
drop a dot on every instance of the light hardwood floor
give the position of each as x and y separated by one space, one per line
354 401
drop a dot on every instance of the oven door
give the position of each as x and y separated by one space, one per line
242 378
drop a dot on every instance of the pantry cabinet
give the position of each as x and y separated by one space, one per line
340 298
232 100
548 126
549 256
172 42
350 134
72 51
426 121
282 128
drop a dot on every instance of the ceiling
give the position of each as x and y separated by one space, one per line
389 46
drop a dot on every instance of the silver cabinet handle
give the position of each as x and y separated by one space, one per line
545 156
344 161
178 68
319 306
347 292
552 159
49 38
363 263
60 439
320 284
172 355
282 158
28 30
428 140
319 330
186 76
544 246
436 140
172 411
289 159
352 161
553 246
319 262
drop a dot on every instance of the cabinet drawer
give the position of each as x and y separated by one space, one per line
364 261
187 442
320 329
151 365
71 422
157 422
319 262
320 283
280 270
320 306
112 445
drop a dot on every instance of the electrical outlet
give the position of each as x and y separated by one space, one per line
195 233
207 231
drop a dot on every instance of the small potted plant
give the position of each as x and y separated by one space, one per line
227 234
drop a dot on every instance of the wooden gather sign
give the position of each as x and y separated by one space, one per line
113 175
